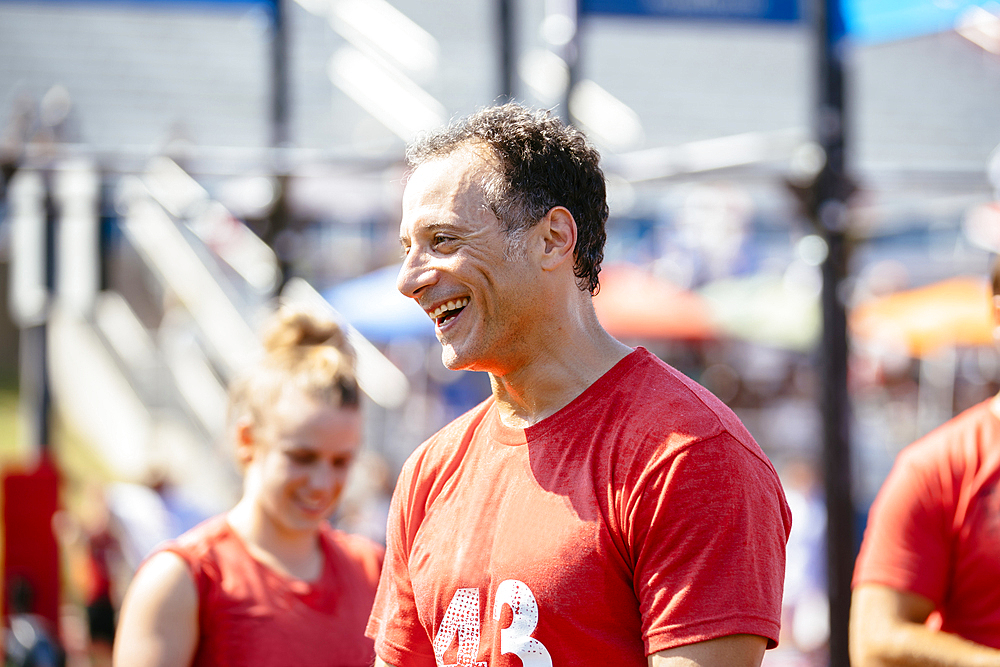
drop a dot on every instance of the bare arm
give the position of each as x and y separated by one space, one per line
158 626
380 663
729 651
887 629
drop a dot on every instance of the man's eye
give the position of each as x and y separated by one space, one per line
440 238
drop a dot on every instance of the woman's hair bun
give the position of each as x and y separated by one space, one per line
292 329
302 350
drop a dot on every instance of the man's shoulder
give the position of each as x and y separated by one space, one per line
461 425
653 392
652 382
972 434
448 441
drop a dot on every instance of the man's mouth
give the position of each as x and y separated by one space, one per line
448 311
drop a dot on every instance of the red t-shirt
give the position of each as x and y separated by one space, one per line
640 517
248 614
934 528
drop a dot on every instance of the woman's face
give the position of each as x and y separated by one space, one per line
299 459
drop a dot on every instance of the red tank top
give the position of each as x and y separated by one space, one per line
251 615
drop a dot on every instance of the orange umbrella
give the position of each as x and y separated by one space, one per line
633 303
953 312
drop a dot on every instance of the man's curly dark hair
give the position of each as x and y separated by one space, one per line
543 163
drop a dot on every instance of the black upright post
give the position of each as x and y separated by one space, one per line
30 497
571 55
829 212
837 458
34 339
279 74
505 23
278 219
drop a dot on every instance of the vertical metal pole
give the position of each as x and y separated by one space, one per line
32 277
44 409
505 11
837 457
565 43
572 58
30 498
33 386
279 75
278 219
831 190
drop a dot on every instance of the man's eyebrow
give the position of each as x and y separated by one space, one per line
429 229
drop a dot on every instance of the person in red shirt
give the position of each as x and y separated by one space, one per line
269 583
927 578
599 508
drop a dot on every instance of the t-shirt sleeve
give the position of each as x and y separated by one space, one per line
906 543
709 532
399 637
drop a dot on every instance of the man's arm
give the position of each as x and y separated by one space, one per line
887 628
728 651
159 618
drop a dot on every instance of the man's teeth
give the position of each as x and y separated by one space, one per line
451 305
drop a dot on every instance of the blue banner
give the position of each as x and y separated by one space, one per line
733 10
887 20
868 21
223 4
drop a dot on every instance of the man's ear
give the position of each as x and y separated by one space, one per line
245 439
558 229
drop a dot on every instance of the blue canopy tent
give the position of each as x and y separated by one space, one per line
373 305
376 308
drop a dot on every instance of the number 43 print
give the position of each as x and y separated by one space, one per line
462 619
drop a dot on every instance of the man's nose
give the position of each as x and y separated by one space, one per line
415 274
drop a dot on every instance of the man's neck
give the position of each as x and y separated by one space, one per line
554 376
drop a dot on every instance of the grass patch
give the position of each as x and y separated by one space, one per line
11 449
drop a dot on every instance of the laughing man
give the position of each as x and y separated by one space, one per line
599 508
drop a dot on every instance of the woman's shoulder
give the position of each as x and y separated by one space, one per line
199 539
159 614
163 582
197 548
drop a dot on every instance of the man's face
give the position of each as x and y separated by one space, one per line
459 267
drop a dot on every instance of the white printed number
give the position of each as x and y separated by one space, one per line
462 619
517 638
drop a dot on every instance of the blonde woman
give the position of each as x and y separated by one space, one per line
269 582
